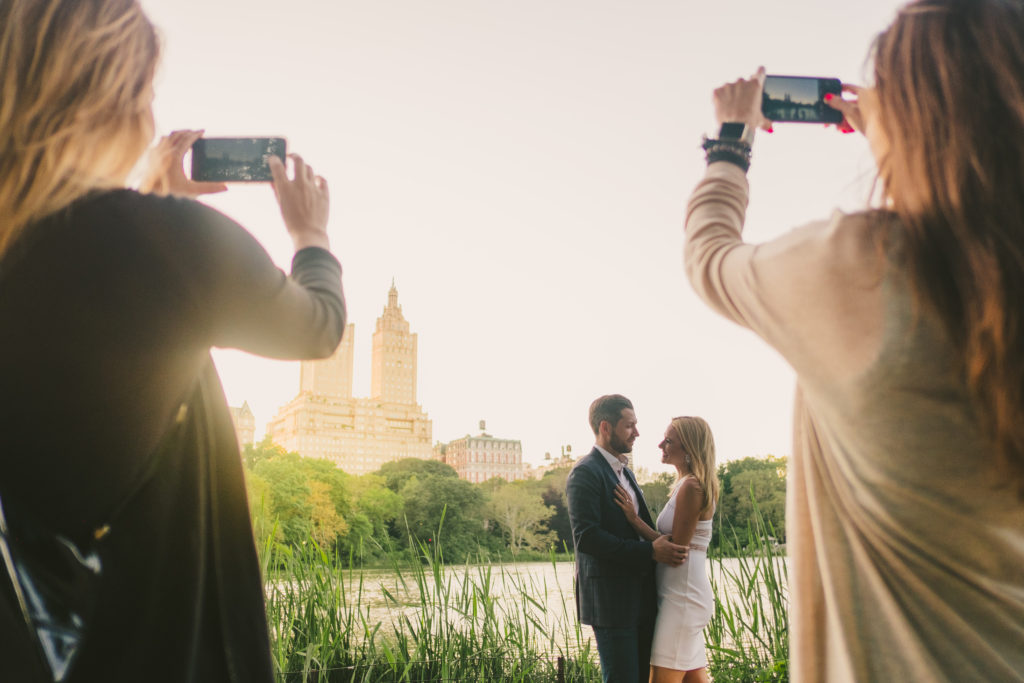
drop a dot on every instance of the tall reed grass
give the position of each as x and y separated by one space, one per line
490 621
444 625
748 637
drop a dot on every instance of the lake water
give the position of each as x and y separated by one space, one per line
538 596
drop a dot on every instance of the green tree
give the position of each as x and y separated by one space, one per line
263 520
461 505
308 498
289 495
521 513
336 481
554 497
253 454
327 525
752 479
769 491
377 503
375 509
656 491
398 472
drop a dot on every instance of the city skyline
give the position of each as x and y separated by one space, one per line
326 420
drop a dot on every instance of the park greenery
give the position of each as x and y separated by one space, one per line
445 555
299 499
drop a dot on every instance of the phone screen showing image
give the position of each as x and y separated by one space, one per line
800 99
239 160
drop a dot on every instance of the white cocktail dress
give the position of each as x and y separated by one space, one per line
685 601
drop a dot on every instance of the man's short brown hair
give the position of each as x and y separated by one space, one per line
609 409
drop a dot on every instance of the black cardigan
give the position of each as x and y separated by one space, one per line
108 311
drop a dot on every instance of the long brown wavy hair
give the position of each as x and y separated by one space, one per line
698 443
949 77
75 90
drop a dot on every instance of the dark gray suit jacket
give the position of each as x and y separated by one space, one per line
614 569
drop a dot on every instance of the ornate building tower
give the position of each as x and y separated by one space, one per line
359 434
393 375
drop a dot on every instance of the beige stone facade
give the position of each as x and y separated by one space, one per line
359 434
331 376
482 457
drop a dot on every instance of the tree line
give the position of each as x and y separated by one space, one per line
298 500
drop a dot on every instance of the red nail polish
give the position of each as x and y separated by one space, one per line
829 96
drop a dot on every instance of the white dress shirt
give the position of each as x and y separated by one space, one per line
619 466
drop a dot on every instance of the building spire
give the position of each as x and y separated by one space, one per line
393 295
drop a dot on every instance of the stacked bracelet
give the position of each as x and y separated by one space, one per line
734 151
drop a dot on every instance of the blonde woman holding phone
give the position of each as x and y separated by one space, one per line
117 436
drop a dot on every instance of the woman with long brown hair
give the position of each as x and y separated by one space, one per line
117 440
685 600
905 516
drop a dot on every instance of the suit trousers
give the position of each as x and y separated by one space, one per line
625 652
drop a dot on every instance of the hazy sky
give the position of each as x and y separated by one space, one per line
521 169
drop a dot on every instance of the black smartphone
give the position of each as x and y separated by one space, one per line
235 160
800 99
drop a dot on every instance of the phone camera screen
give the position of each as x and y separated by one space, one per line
235 159
800 99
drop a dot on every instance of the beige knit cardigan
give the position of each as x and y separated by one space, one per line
906 545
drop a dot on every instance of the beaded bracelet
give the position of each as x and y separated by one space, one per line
734 151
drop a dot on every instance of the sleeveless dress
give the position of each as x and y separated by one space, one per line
685 601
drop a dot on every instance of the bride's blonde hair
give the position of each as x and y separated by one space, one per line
75 92
698 443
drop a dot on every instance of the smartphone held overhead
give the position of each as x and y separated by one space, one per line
800 99
235 160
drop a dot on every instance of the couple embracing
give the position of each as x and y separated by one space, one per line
643 586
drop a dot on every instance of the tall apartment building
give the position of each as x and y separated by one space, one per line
482 457
359 434
331 376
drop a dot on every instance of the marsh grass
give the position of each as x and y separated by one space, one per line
748 637
443 625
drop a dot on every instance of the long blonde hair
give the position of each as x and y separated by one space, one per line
949 75
75 88
698 443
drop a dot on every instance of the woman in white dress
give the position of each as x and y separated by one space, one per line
685 601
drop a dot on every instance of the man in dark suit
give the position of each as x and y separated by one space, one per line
615 590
